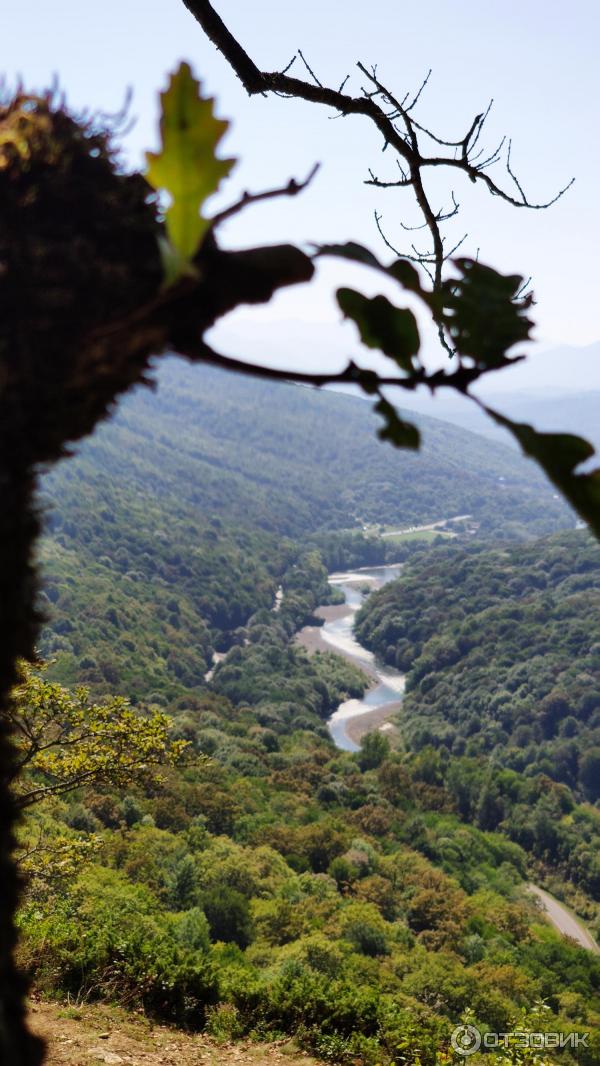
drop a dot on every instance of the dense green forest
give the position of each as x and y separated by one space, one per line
284 887
502 652
157 552
273 885
139 600
538 793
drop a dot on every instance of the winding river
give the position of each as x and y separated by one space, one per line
336 631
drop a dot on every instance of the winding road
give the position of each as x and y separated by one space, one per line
441 525
563 920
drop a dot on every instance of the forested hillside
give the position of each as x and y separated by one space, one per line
170 527
272 884
315 462
502 652
139 599
288 888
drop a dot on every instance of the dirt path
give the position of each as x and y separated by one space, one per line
563 920
107 1036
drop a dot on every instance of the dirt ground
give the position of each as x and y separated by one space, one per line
107 1036
310 637
378 718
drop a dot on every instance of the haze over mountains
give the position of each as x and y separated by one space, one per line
565 367
551 410
314 463
556 391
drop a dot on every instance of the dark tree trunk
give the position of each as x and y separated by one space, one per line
18 627
82 309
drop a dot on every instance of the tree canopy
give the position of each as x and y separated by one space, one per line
64 741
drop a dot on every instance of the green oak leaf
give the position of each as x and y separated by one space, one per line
400 433
481 313
187 166
559 454
400 269
356 253
381 325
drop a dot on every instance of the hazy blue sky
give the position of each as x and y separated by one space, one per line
537 58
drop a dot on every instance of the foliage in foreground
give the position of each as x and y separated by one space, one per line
65 741
286 887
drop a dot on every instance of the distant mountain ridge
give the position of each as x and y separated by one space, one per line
566 367
556 390
293 460
549 410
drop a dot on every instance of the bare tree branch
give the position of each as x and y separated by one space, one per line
292 188
394 120
310 71
216 30
460 379
475 173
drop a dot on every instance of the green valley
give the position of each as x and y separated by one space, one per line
271 885
179 518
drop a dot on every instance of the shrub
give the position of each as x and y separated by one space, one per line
223 1022
109 939
367 938
192 930
228 914
375 747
